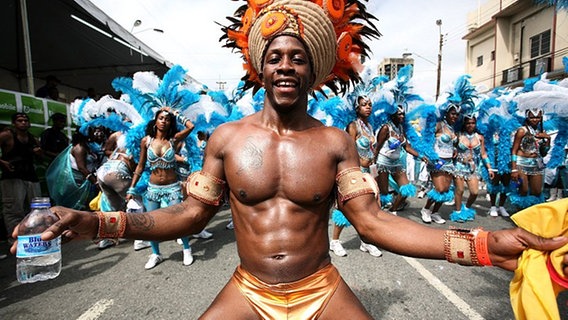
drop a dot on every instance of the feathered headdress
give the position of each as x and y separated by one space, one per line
116 115
148 93
552 100
331 111
560 4
332 31
461 96
367 87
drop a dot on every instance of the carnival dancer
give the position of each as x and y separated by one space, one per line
361 131
283 169
498 125
392 144
442 170
114 178
470 152
71 177
158 150
529 147
459 96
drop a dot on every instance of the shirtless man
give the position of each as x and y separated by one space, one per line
281 167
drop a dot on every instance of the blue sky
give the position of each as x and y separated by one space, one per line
191 35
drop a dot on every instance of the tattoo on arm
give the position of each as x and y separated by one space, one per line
144 222
174 209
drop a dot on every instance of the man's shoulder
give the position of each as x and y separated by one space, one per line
6 133
46 132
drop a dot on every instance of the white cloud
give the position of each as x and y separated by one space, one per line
191 35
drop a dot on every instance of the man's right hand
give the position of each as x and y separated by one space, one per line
72 224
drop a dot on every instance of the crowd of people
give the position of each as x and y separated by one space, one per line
260 152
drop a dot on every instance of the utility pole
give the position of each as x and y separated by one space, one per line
221 84
439 24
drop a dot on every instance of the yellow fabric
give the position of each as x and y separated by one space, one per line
533 293
95 204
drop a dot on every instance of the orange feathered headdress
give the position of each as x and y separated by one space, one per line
332 30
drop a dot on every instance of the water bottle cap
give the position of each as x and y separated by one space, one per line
39 202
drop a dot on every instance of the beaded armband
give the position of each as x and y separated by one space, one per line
467 247
205 187
352 183
111 225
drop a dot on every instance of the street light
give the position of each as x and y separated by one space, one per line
408 54
153 29
135 24
138 22
439 24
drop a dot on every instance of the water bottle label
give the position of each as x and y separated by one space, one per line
31 245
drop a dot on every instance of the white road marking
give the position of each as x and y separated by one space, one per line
96 310
462 306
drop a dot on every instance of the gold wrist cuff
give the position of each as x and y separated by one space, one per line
459 246
111 224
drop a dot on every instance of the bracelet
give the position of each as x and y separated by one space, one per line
460 247
89 175
131 191
486 161
181 118
481 248
111 225
136 173
514 170
514 158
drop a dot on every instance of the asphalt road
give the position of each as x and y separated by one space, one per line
112 283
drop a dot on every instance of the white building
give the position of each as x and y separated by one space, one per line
390 66
512 40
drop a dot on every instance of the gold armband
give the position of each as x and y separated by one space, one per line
111 225
352 183
466 247
205 187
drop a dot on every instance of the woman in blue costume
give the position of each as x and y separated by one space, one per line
158 151
529 147
362 133
71 176
470 151
497 125
391 140
442 171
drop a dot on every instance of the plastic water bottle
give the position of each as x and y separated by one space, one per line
394 145
439 164
517 183
37 260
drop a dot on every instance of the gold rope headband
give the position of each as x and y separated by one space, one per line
333 39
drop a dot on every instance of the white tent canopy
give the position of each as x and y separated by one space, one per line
72 40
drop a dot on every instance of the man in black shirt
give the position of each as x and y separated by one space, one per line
19 182
53 140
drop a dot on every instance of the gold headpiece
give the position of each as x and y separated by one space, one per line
327 28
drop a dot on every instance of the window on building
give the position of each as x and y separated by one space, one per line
479 61
540 44
493 55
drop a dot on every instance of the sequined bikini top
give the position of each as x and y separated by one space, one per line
166 161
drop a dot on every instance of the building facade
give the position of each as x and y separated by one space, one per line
509 41
390 66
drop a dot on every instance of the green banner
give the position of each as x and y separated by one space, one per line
8 106
55 107
33 107
36 131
